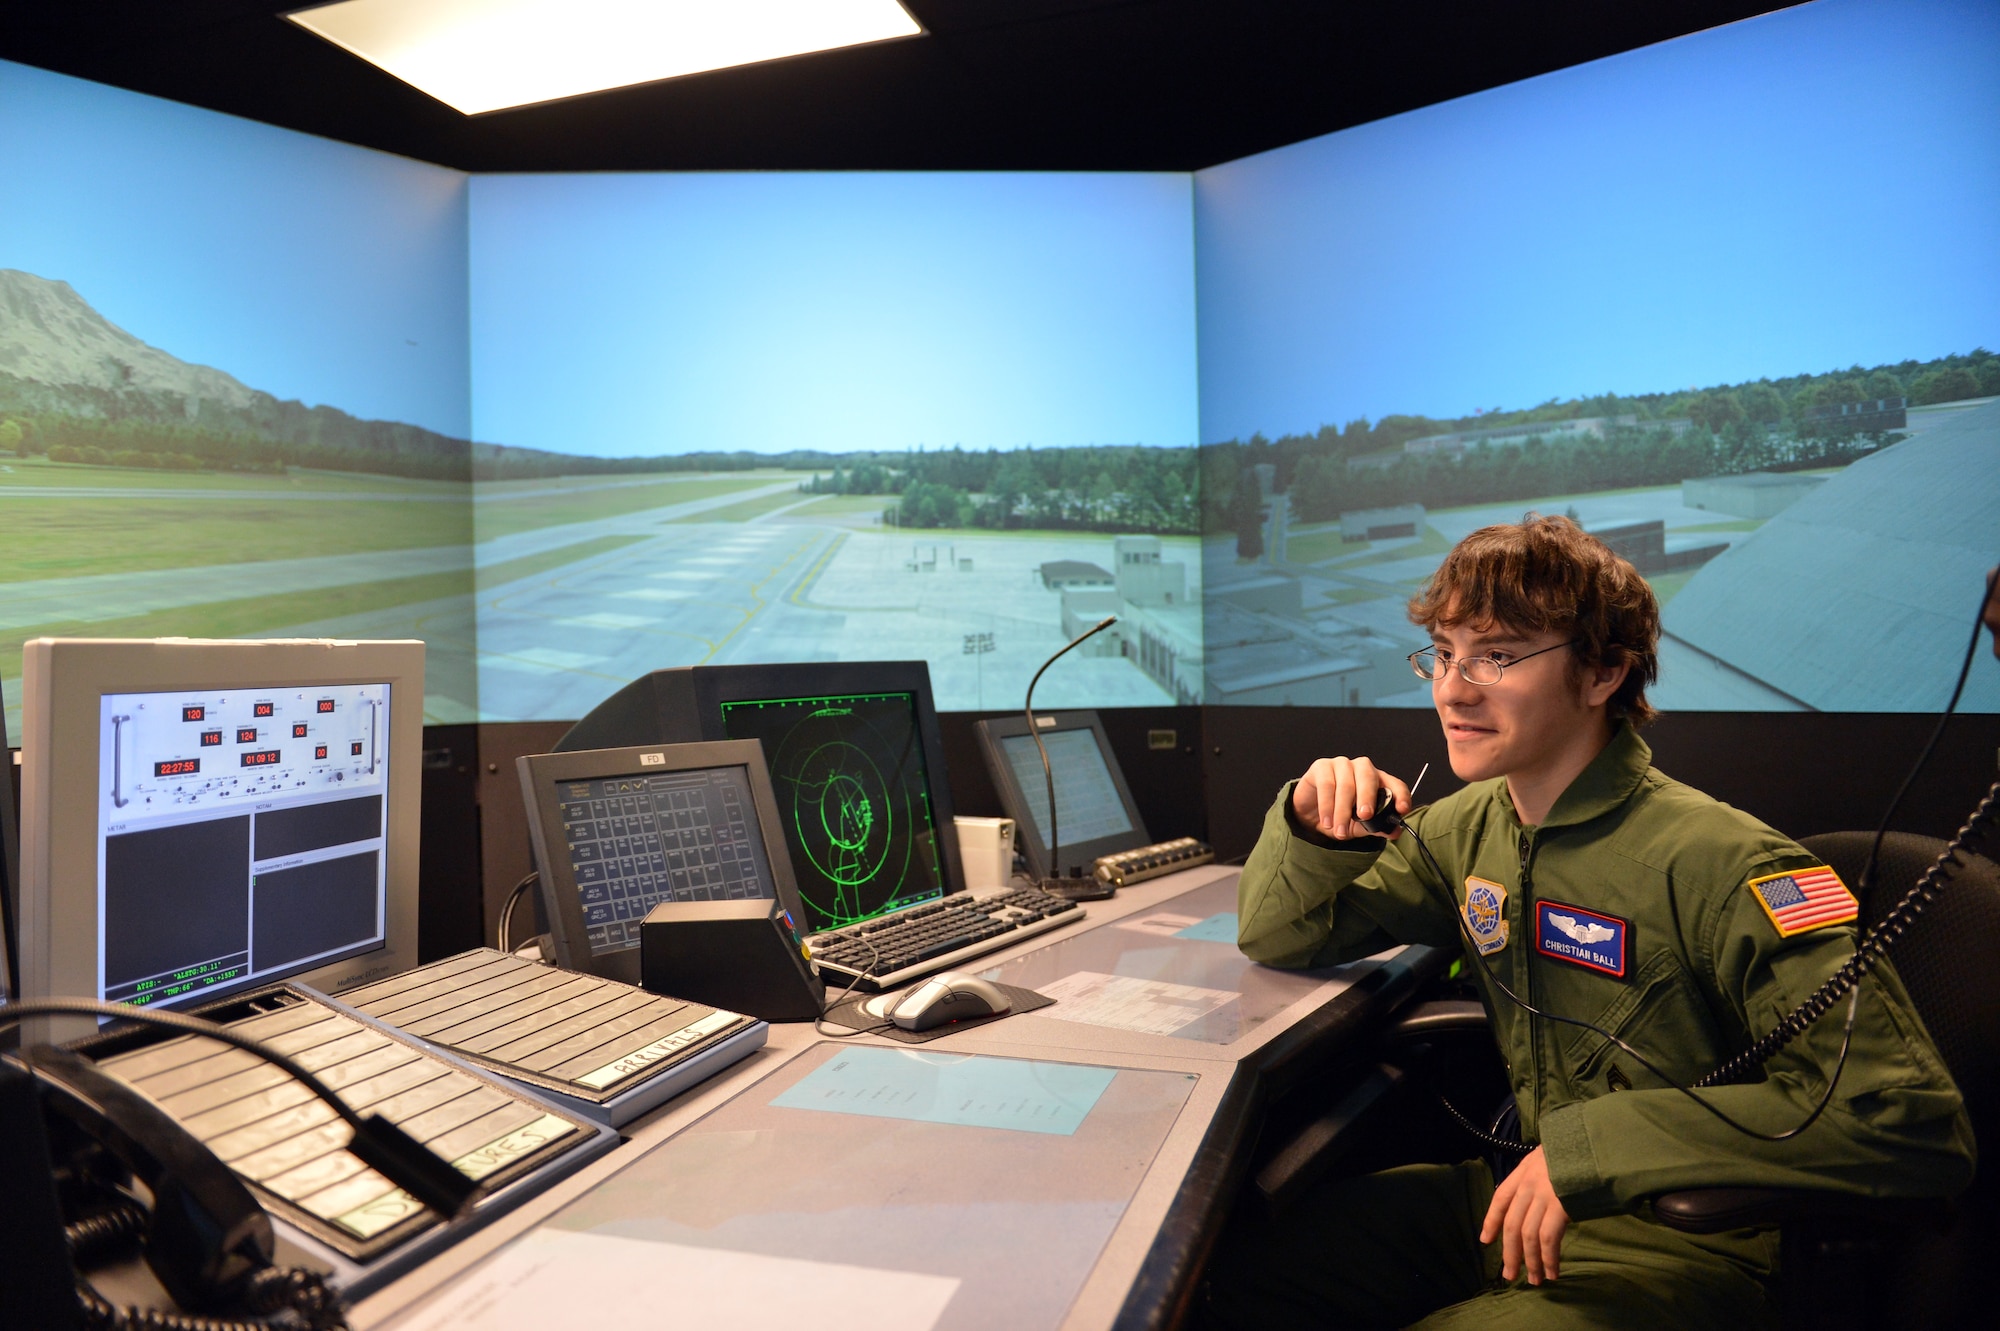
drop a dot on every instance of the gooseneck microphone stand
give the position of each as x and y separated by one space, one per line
1079 888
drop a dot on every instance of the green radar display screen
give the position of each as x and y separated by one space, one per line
854 798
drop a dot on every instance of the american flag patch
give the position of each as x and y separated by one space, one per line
1803 899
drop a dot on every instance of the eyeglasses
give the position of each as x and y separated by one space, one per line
1485 671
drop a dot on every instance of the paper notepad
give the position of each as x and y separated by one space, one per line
1123 1002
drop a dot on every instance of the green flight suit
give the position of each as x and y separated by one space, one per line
1703 972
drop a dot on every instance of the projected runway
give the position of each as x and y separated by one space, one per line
784 586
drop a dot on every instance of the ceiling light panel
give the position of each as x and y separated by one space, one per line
484 55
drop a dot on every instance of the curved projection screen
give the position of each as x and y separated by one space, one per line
1730 301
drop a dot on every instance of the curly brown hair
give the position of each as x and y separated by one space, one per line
1548 575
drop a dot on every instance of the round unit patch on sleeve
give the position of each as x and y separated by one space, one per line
1801 900
1485 912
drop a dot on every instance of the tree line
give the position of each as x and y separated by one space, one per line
1730 428
1122 488
179 447
1097 488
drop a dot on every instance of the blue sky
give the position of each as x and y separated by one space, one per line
306 268
646 314
1799 192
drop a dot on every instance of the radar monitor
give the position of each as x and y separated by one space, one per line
200 817
869 869
1095 813
853 797
856 764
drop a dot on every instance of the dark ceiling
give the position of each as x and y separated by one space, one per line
993 85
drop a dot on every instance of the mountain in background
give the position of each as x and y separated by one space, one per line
50 336
62 360
83 389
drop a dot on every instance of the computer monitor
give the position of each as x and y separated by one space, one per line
1095 814
618 831
856 762
203 816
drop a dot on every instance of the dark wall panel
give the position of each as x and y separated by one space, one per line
1801 772
1252 751
450 917
503 819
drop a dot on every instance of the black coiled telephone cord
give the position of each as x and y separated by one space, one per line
313 1304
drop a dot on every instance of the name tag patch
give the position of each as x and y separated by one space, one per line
1485 911
1582 937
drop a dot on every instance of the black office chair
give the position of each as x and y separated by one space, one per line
1885 1262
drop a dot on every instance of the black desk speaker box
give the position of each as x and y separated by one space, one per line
736 955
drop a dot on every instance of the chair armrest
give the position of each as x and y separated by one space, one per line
1437 1017
1712 1210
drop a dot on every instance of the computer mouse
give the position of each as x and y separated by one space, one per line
950 996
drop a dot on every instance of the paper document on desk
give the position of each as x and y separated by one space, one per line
1165 924
556 1280
1151 1007
967 1090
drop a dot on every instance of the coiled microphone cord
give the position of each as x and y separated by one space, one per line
1472 949
1873 947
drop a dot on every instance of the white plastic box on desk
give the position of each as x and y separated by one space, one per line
986 847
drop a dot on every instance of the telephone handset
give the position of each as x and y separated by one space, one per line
202 1233
206 1238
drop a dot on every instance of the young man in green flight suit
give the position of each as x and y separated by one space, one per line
1597 889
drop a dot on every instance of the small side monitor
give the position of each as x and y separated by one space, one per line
203 816
1095 814
618 831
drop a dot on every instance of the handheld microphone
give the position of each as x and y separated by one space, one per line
1078 887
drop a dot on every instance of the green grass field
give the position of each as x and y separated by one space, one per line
849 510
1327 546
756 508
75 537
515 506
254 616
40 473
1665 585
137 519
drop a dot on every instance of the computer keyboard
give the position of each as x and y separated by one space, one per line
894 949
584 1037
292 1147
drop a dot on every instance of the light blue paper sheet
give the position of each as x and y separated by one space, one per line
968 1090
1215 929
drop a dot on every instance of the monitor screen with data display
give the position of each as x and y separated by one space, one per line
617 832
240 835
1095 812
200 817
638 839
